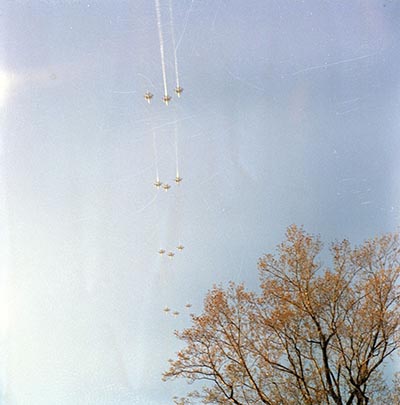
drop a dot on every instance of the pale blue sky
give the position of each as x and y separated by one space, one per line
290 114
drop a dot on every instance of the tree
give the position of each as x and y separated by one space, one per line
310 335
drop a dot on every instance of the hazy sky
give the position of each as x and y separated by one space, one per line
290 114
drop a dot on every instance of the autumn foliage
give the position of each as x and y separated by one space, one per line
310 335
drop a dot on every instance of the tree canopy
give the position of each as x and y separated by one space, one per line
310 335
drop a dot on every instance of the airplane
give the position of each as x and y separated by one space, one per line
166 310
178 179
188 306
148 96
166 99
180 247
170 254
161 251
166 187
157 184
178 90
175 313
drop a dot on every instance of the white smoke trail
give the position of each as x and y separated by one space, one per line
179 213
155 154
5 268
176 148
160 35
171 22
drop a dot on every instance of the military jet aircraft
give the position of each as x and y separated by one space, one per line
148 96
170 254
178 91
161 252
157 184
180 247
166 187
166 99
166 310
175 313
188 306
178 179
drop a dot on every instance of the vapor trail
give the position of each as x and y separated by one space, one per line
160 35
339 62
171 22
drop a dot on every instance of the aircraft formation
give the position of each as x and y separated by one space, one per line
167 310
170 253
167 99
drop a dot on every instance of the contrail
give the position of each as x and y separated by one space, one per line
339 62
171 22
147 204
160 35
185 25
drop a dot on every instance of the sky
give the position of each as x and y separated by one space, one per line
290 114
